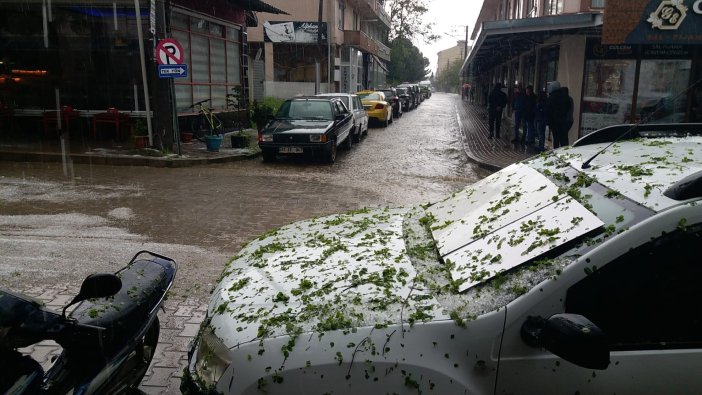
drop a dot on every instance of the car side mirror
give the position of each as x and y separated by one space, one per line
570 336
340 117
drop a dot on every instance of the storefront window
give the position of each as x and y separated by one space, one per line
609 87
84 56
662 95
548 66
696 95
212 51
296 62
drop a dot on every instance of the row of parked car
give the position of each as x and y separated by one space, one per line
318 125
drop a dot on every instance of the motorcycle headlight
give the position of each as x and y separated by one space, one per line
213 358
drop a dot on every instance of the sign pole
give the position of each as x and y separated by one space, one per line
144 79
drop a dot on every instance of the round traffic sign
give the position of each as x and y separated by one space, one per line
169 51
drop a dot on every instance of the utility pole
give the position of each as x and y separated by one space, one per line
317 76
465 53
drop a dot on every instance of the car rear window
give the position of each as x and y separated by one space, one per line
370 96
306 109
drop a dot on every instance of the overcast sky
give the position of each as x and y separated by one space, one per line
450 18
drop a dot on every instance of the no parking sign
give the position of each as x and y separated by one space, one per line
169 51
169 55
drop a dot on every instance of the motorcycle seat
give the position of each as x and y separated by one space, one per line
144 284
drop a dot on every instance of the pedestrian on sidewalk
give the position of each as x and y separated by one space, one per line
485 92
560 113
540 119
496 103
529 114
517 111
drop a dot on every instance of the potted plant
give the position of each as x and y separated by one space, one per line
141 134
241 138
261 113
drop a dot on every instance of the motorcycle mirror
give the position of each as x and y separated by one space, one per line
98 285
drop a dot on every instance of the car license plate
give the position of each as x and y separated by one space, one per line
290 150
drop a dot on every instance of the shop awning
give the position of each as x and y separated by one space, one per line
253 6
258 6
499 41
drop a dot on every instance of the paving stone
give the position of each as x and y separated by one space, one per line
190 330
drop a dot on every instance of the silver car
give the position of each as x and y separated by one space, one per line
360 118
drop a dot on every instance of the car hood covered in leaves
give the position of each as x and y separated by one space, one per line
337 272
298 126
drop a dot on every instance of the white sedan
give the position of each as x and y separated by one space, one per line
555 275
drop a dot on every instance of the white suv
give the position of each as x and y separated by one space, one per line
560 274
360 118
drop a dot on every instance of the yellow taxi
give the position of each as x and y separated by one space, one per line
376 106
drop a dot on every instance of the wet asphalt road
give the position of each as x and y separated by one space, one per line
53 229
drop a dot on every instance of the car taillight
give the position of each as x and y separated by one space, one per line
379 106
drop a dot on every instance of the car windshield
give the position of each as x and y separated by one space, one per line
305 109
401 91
389 94
370 96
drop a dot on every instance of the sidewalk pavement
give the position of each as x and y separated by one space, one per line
492 154
123 154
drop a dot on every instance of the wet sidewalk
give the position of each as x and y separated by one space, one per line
121 153
492 154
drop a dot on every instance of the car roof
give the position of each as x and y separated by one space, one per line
335 94
317 98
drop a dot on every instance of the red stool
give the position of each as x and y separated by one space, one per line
111 116
50 118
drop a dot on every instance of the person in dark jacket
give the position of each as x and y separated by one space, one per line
529 114
517 111
496 103
560 113
540 121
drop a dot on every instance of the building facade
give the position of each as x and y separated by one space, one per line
322 46
86 71
620 65
448 56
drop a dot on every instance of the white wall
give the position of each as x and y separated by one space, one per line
286 90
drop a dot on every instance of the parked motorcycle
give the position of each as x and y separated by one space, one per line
108 340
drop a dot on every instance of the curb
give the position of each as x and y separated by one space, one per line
123 160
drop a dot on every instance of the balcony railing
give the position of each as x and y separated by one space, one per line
360 40
371 9
379 9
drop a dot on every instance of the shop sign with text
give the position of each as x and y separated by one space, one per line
295 32
653 22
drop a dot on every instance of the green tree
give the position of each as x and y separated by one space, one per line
406 20
449 79
406 62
